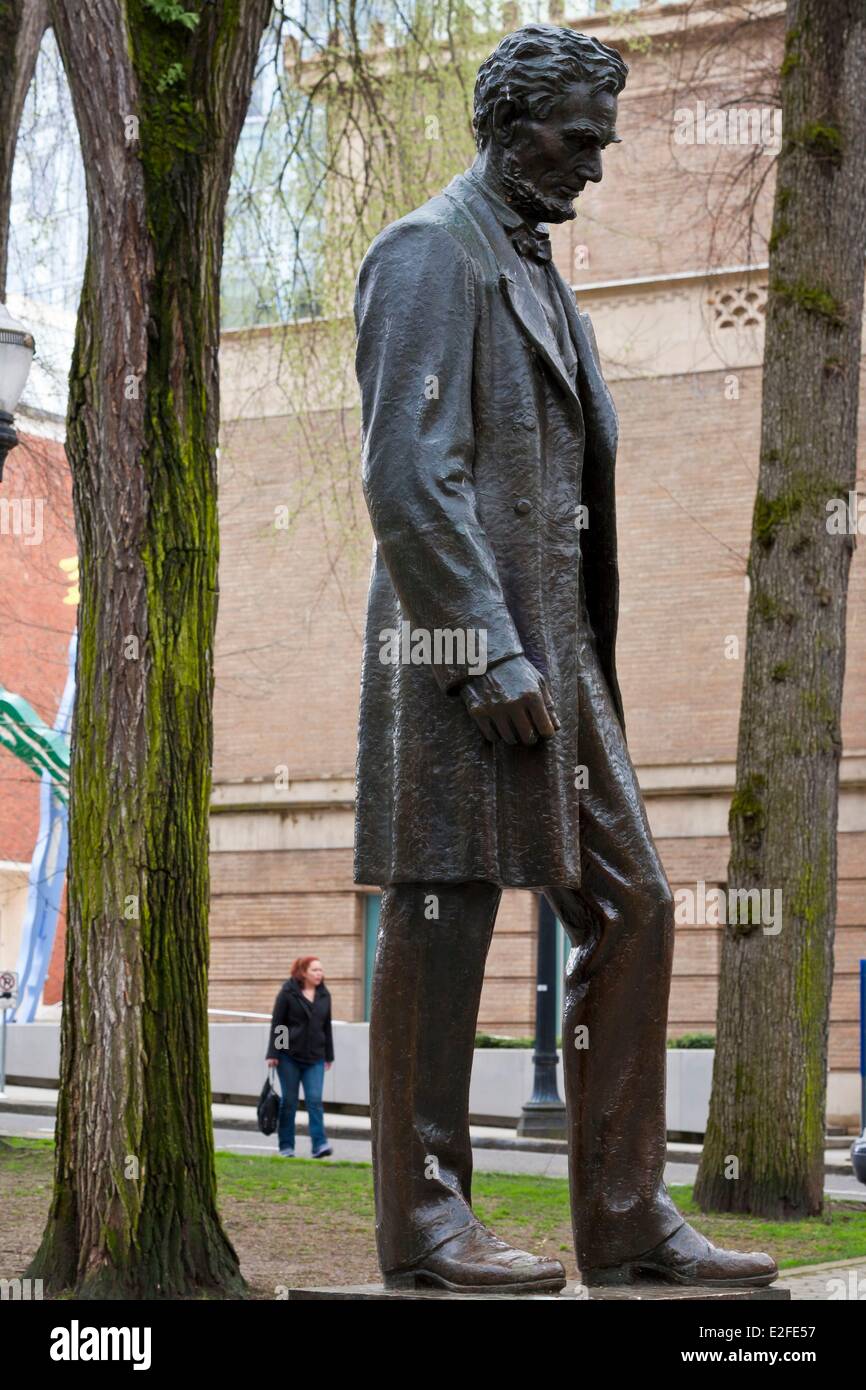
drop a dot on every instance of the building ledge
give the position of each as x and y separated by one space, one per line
672 277
694 779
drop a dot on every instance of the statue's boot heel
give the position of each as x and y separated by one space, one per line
610 1276
405 1279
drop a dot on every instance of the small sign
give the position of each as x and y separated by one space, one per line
8 989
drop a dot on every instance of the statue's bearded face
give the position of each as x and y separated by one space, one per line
546 163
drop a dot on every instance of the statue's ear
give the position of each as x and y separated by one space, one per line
503 119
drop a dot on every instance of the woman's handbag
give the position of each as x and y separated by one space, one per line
268 1108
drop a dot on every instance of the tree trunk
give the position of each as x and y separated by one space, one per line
764 1144
159 104
22 26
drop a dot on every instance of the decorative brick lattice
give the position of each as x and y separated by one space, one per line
739 306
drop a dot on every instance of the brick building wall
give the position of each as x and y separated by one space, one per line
287 695
36 623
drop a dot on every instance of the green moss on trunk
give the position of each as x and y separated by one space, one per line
768 1097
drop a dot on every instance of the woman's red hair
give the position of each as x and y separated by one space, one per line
301 966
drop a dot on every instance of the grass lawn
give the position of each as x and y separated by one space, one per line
299 1221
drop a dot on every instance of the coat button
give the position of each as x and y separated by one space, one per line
523 506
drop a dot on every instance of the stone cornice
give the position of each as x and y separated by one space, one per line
656 779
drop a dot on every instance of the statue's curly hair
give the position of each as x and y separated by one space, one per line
534 66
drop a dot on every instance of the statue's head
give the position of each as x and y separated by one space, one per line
545 108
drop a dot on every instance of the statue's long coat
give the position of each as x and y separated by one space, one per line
477 452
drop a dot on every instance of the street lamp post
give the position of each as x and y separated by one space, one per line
543 1114
858 1148
16 355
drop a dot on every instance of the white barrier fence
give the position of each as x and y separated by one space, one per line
501 1077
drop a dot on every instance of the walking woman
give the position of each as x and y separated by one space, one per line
302 1049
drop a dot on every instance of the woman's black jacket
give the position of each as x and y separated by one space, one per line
308 1037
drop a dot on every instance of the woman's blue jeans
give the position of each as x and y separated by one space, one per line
292 1074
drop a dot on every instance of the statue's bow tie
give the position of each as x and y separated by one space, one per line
531 242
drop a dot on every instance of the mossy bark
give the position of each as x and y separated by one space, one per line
134 1209
769 1084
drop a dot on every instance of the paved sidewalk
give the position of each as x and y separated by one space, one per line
842 1281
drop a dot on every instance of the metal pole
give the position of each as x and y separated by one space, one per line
858 1148
543 1114
5 1013
863 1047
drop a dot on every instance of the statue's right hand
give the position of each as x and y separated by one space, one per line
511 701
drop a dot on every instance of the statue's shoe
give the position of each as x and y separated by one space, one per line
477 1261
688 1258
